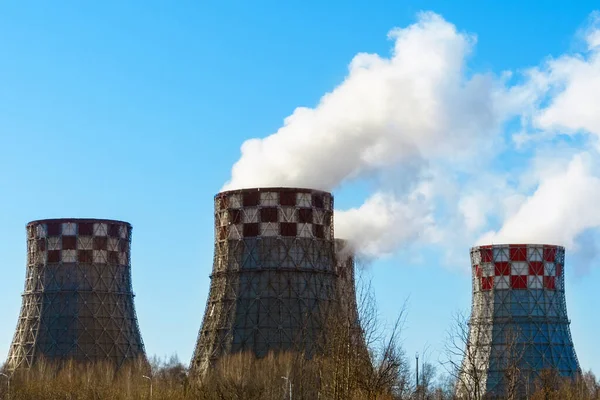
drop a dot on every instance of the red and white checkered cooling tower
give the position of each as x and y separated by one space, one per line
78 298
519 325
274 273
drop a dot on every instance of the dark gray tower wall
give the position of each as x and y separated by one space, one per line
274 274
348 316
519 325
346 285
78 297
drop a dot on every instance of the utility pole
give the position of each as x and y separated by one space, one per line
150 379
417 391
289 381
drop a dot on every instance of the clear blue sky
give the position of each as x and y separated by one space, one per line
136 111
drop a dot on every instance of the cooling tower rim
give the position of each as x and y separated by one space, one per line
272 189
77 221
504 245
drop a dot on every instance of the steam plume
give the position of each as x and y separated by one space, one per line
421 117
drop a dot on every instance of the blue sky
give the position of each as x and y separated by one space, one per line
137 112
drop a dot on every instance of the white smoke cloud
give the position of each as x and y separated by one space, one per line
422 112
566 179
384 222
573 84
563 206
416 103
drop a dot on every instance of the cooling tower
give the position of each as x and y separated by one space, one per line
78 298
519 325
274 274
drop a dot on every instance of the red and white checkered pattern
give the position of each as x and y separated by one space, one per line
79 241
517 266
276 212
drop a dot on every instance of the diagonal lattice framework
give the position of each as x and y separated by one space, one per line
274 274
346 294
78 298
519 325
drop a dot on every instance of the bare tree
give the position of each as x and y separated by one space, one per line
445 388
551 386
463 357
592 385
427 379
511 359
468 350
387 370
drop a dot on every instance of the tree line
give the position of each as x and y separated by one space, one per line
361 359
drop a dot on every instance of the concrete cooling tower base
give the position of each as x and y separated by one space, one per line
275 279
78 298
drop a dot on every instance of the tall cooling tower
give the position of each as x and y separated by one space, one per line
273 277
519 325
78 299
